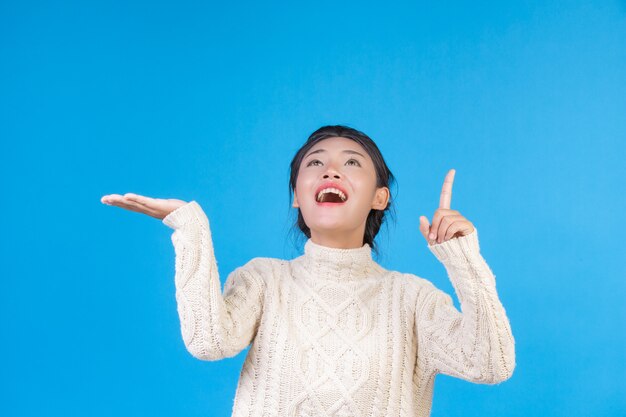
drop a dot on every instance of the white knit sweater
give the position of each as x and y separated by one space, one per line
335 334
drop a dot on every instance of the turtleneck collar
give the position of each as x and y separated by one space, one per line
338 264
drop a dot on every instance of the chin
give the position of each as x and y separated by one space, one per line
328 226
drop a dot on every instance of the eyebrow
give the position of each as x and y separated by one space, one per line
350 151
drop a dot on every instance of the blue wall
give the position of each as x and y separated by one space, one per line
209 102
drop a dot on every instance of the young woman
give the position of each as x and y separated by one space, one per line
333 333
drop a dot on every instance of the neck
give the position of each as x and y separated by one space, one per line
338 264
339 240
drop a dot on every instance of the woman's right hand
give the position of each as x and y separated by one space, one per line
154 207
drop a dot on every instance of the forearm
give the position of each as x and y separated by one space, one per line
209 324
477 344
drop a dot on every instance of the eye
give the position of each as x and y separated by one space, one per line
314 161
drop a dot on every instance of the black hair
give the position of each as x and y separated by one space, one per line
384 177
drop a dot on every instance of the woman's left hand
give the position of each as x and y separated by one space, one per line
447 223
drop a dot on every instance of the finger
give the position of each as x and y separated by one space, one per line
453 229
140 200
437 218
446 223
462 227
424 227
126 199
435 224
110 199
446 191
125 203
128 204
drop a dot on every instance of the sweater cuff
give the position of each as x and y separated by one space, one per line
463 247
183 214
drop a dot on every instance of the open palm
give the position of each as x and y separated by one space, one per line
154 207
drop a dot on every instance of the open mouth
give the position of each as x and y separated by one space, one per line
331 195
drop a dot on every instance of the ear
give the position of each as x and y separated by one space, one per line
295 201
381 198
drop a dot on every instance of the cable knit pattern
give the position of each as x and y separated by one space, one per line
333 333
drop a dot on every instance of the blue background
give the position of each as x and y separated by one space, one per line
209 102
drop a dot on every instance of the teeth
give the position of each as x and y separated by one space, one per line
331 190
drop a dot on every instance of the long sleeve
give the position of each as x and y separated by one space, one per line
213 325
476 345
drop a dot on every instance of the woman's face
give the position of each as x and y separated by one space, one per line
343 164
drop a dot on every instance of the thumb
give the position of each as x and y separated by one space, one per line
425 227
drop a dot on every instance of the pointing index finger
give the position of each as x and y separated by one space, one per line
446 191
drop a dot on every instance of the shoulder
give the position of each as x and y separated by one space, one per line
263 263
413 282
265 270
421 286
427 294
417 290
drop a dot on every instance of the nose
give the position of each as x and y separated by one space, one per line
333 173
